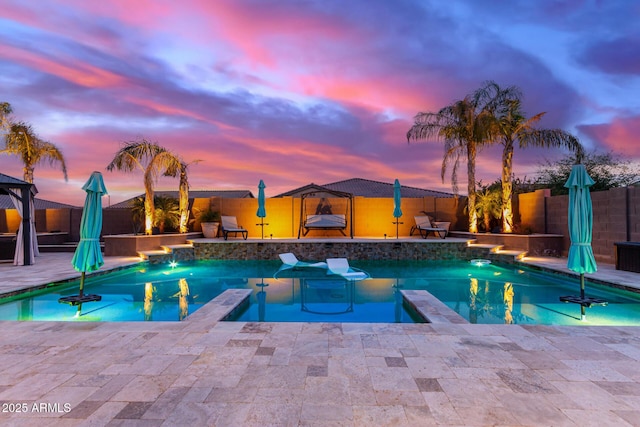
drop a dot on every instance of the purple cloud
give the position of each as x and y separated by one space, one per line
294 92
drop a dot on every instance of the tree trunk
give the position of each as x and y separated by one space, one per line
471 187
149 211
184 201
487 222
507 187
28 174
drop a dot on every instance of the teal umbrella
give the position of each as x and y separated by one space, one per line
261 210
581 259
88 256
397 200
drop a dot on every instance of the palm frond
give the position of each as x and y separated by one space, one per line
134 154
22 141
48 151
549 138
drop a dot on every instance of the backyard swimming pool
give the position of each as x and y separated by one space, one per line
481 294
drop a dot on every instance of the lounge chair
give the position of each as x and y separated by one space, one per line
230 225
291 261
341 267
424 226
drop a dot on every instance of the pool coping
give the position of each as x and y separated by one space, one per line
225 305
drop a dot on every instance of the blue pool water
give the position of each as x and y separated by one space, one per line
481 294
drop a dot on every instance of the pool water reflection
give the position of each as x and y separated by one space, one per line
481 294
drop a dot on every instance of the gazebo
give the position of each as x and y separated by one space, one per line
318 219
22 194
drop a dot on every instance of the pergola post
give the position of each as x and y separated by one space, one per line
26 224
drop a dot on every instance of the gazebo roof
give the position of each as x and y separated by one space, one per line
7 182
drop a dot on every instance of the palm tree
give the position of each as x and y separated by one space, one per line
464 126
512 126
488 206
153 160
167 212
22 141
137 213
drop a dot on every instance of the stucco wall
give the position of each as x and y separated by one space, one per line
372 217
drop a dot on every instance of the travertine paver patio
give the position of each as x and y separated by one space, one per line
202 372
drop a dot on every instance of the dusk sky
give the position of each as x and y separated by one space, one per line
300 91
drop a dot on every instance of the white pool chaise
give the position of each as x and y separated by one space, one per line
341 267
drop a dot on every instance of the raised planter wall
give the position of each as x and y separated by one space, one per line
534 244
130 245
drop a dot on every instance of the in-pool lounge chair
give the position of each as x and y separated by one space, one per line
291 261
424 226
230 225
341 267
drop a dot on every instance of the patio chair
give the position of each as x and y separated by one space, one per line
424 226
291 261
341 267
230 225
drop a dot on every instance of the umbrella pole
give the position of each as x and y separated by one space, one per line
81 293
262 226
82 284
583 315
397 225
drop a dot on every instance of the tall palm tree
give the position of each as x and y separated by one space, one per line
512 126
153 160
22 141
465 127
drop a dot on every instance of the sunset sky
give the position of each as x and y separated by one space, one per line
293 91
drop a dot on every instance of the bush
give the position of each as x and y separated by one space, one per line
209 216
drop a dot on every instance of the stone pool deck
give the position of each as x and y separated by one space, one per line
202 372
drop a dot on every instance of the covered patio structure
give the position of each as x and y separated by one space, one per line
22 194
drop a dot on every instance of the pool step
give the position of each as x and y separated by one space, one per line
496 253
168 253
149 255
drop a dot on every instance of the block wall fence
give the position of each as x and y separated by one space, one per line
616 218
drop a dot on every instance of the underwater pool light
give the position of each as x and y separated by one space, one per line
480 262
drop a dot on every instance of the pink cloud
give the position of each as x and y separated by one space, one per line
75 71
261 31
620 136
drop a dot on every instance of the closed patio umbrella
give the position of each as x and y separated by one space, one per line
261 213
580 259
397 201
88 256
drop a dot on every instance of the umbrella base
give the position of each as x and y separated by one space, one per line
77 299
584 301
